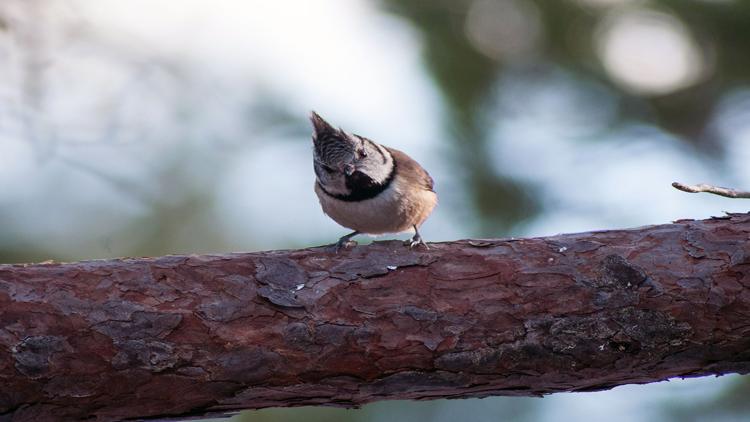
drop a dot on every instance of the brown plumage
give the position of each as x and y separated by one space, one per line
411 170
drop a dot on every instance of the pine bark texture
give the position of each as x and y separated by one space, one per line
192 335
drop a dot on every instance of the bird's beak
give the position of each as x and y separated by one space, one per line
349 169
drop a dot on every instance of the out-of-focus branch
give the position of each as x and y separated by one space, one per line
716 190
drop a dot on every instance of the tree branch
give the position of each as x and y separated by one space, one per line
180 335
716 190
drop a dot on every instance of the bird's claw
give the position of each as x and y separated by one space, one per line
344 244
416 241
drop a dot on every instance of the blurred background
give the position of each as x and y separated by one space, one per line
138 128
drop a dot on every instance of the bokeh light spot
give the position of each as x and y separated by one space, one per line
648 52
505 29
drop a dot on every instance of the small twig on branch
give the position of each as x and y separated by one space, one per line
716 190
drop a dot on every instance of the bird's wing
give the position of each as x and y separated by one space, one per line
409 169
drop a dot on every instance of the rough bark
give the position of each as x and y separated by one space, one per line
181 335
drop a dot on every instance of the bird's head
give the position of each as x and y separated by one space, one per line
345 162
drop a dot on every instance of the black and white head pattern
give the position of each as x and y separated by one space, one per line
349 167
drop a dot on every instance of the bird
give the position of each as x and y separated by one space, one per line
368 187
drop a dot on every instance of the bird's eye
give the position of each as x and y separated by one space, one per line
362 153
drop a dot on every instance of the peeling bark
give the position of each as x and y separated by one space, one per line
180 335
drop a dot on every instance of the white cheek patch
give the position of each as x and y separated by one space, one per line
382 171
373 165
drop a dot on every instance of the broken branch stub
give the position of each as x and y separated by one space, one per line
716 190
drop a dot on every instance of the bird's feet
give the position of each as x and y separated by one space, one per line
345 242
416 241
